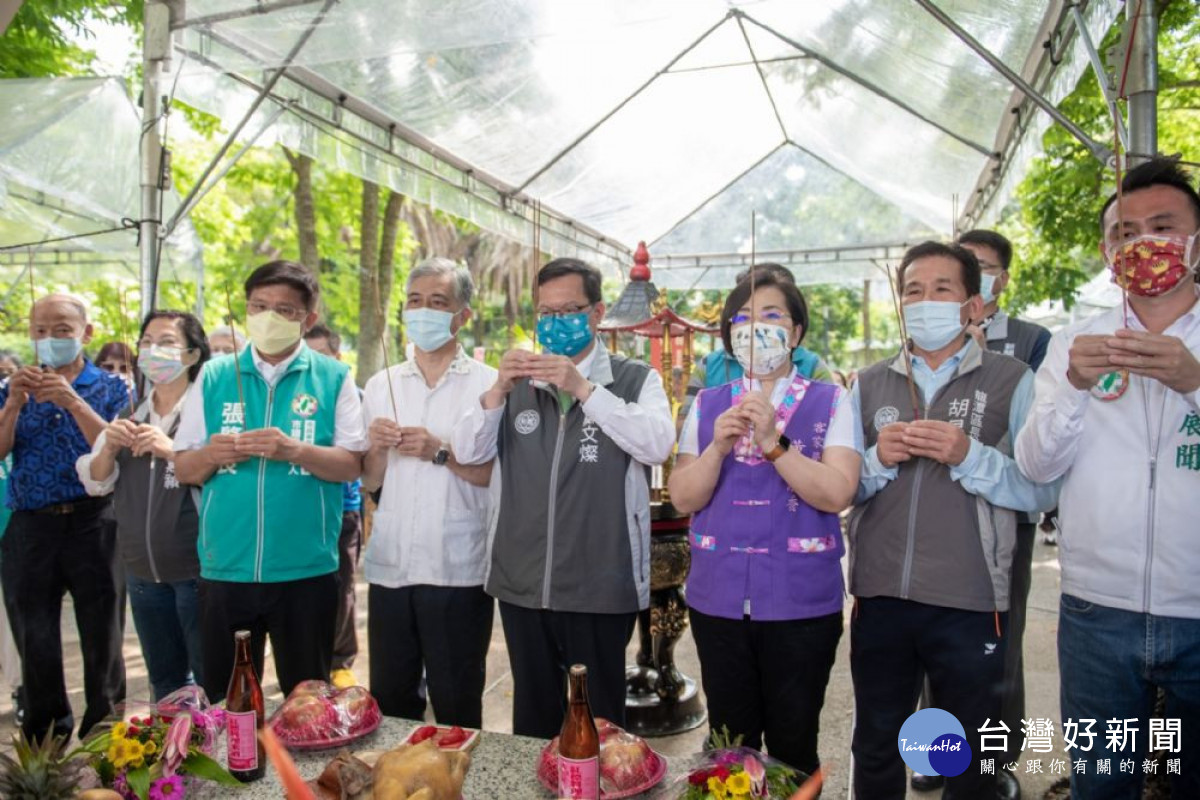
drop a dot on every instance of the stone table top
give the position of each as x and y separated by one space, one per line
503 766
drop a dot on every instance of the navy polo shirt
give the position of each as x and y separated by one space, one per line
48 442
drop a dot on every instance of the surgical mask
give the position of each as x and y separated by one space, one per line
933 324
161 364
1153 264
567 335
987 287
55 353
271 333
771 348
428 328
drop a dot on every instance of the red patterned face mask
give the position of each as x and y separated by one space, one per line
1151 265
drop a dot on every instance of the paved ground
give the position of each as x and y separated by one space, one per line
836 721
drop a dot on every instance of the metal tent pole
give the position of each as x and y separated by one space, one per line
1141 83
156 49
1099 151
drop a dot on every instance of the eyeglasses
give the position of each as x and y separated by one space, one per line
766 316
559 313
286 311
114 368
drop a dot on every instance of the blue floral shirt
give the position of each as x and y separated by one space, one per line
48 442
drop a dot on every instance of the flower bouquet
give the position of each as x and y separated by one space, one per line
155 756
729 771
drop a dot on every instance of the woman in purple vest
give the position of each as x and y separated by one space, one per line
765 463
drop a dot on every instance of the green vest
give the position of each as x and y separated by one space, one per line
264 521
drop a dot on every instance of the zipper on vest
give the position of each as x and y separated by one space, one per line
262 482
558 444
1149 534
149 504
912 530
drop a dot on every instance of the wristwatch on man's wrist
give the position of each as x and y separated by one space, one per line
441 456
779 449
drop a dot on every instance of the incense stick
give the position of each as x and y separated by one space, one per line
753 311
908 370
536 255
124 334
237 367
387 367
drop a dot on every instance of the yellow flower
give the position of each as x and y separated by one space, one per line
151 748
120 729
738 783
123 751
717 788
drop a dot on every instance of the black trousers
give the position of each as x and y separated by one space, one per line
444 629
297 615
345 636
43 556
767 680
1012 697
542 645
891 641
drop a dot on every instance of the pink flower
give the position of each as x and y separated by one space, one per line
167 788
757 775
176 744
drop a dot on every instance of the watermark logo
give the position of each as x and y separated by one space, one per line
933 742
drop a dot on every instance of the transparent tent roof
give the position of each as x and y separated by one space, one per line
69 167
839 123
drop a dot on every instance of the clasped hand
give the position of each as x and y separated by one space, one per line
1165 359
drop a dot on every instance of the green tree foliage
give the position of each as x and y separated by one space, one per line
39 41
1053 223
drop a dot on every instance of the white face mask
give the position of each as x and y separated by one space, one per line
987 287
933 324
771 347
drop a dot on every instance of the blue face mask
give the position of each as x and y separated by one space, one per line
55 353
987 287
565 336
933 324
428 328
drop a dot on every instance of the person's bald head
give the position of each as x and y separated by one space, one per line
60 316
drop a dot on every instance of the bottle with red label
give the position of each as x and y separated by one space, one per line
578 743
244 715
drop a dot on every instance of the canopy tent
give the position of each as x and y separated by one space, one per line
850 127
68 168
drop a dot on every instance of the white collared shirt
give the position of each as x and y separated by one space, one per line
431 526
348 431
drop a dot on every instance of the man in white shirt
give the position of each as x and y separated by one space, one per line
576 430
426 558
271 434
1117 416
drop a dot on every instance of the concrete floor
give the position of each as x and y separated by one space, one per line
836 720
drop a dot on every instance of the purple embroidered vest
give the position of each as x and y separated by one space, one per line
756 544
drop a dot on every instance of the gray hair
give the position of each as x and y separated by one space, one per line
230 334
73 300
464 287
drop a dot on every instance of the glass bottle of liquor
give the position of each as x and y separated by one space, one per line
578 743
244 715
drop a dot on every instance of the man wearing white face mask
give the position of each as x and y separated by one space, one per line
271 435
933 530
1117 417
426 558
53 410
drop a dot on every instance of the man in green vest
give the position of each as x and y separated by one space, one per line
271 434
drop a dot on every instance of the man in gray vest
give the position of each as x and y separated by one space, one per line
1026 342
576 429
932 533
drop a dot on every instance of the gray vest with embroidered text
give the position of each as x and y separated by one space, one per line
923 537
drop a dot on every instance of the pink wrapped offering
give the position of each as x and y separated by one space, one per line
628 765
315 716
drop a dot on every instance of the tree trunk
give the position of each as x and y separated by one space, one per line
305 209
372 323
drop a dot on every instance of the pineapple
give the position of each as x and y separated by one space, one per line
38 772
